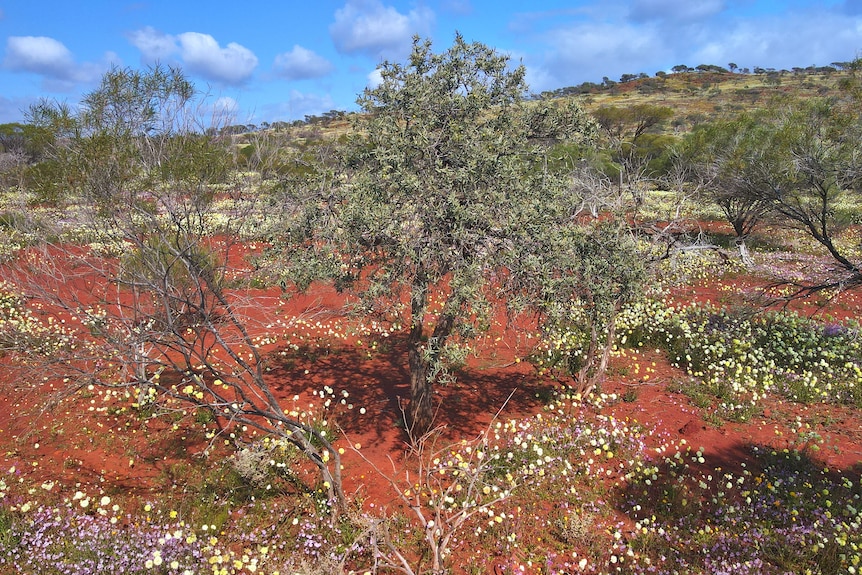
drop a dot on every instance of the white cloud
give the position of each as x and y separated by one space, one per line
51 59
155 46
39 55
224 111
200 53
226 104
703 33
375 78
818 38
301 64
591 51
368 27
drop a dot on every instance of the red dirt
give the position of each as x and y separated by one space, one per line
77 445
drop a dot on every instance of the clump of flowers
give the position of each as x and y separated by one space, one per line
788 517
25 334
740 357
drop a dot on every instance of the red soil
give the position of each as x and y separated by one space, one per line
77 445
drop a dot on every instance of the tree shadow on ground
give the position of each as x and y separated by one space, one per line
378 381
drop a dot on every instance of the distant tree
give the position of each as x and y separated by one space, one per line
19 148
719 156
733 67
444 179
679 68
13 138
631 145
818 142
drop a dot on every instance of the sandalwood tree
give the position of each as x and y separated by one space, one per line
445 173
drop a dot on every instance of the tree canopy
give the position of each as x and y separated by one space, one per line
445 174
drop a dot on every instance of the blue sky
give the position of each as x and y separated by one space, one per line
268 61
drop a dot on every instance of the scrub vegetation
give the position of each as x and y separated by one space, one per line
463 330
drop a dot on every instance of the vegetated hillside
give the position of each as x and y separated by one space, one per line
695 97
699 96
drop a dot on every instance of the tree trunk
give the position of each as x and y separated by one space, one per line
420 413
598 354
423 358
744 255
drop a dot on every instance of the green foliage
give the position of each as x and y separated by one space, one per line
441 177
634 148
796 160
164 263
582 302
133 134
142 173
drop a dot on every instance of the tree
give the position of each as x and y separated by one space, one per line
579 278
444 173
820 165
166 308
720 155
799 160
631 144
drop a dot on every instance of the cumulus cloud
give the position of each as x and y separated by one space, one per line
368 27
224 110
200 53
819 38
646 39
226 104
590 51
39 55
155 46
51 59
375 78
300 64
